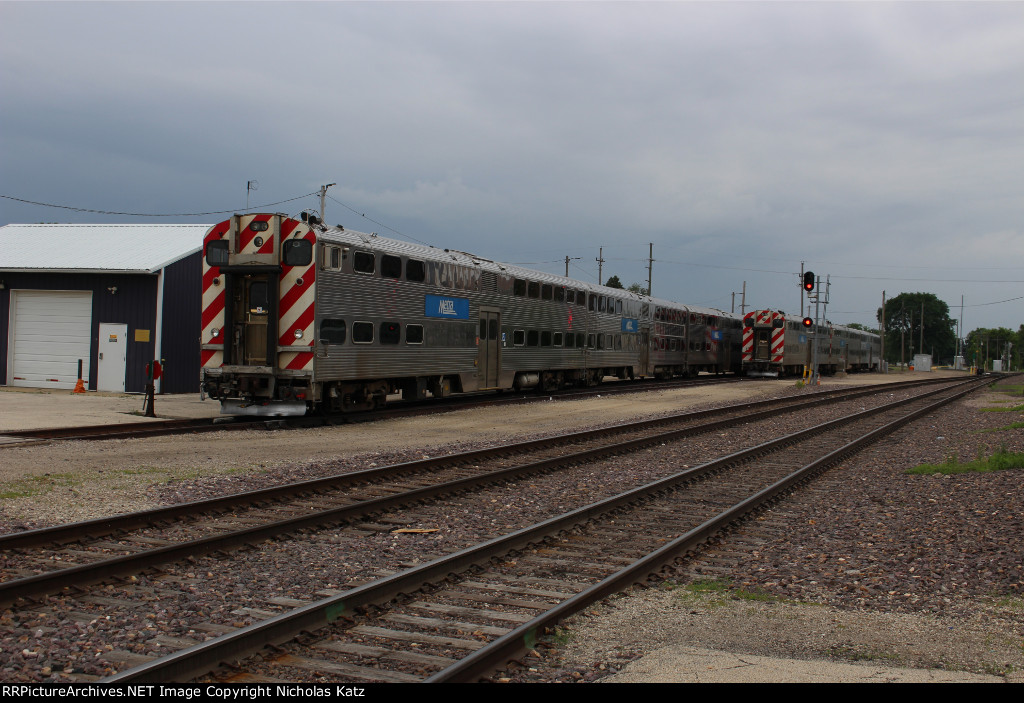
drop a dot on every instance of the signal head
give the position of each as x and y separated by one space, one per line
808 322
809 281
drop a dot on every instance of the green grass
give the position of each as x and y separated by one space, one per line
35 485
851 653
1014 409
999 461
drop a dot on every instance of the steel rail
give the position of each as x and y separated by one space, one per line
128 521
523 638
55 581
200 659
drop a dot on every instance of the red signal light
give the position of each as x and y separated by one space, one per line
808 322
809 281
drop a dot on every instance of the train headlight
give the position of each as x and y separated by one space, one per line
297 333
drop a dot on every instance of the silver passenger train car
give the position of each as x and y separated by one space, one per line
299 316
774 345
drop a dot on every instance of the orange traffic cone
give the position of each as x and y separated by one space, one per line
79 387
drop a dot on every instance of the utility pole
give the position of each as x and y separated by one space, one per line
600 266
743 299
801 284
650 267
567 259
323 198
921 345
881 332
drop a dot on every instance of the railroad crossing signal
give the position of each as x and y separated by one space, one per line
809 281
808 322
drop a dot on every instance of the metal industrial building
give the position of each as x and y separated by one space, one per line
113 296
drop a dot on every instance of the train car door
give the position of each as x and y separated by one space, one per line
252 313
762 344
488 360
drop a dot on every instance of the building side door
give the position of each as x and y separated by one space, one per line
112 357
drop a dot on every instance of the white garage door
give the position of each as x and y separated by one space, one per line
49 334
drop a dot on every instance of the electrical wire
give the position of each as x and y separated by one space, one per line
150 214
379 224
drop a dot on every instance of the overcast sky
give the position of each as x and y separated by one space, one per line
881 144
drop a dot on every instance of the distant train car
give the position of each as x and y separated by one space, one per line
776 346
300 316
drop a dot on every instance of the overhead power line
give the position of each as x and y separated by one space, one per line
155 214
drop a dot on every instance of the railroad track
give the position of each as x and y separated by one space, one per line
462 615
157 428
44 561
377 516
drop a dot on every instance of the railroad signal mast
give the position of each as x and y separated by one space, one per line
812 286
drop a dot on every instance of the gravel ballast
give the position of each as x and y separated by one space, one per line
869 565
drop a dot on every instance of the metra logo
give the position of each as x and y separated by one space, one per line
451 308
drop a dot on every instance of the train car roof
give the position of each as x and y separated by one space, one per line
351 237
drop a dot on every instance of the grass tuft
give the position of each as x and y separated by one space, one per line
1000 461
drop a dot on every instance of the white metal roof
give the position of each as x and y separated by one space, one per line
135 248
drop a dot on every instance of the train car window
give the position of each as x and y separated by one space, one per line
602 303
579 340
618 307
519 287
545 339
362 333
618 342
518 338
581 298
363 262
570 295
414 334
297 252
334 260
591 341
777 324
545 292
559 294
415 271
332 331
533 289
592 303
570 341
556 340
217 252
492 332
390 266
532 338
390 332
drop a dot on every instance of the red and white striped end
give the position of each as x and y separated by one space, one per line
296 310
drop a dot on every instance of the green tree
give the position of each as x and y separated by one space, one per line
614 282
638 288
903 328
985 344
863 328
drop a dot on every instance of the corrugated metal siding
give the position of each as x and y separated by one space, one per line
181 326
134 304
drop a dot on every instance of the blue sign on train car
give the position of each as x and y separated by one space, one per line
630 325
451 308
716 335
